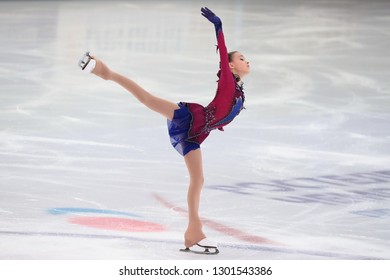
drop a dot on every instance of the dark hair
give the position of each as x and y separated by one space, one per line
230 57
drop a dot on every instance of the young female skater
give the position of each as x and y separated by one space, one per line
189 123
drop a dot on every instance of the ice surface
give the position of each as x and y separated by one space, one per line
303 173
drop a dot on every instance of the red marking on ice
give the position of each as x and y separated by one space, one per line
113 223
239 234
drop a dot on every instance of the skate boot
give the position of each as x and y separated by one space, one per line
204 247
87 63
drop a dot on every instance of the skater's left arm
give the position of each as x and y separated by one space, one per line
223 53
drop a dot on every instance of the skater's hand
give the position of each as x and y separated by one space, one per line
210 16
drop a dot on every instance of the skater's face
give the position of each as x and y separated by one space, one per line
238 64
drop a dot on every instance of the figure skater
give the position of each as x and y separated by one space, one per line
189 124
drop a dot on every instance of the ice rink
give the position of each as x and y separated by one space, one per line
86 172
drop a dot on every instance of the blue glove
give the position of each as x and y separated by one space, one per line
212 18
210 15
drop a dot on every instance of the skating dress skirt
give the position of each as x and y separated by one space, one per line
178 130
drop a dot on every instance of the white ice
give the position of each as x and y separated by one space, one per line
302 173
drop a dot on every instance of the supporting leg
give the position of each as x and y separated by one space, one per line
194 164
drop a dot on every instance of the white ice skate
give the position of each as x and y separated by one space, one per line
87 63
204 247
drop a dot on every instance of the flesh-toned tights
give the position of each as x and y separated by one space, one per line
193 159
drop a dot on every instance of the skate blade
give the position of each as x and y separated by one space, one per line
206 251
87 63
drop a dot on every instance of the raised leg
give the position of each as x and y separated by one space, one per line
159 105
194 164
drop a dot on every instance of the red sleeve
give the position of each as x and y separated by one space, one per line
225 94
223 56
204 118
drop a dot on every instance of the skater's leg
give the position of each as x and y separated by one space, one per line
159 105
194 164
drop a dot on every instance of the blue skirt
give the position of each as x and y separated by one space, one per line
178 130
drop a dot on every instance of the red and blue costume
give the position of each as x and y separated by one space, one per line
193 122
